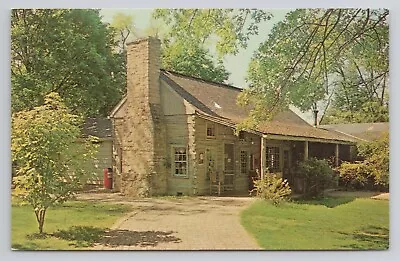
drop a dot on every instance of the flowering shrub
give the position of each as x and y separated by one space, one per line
272 188
372 172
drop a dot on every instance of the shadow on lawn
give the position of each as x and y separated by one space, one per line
329 202
370 238
87 236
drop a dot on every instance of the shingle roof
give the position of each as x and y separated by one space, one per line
98 127
363 131
219 100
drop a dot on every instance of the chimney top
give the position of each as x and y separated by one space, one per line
148 38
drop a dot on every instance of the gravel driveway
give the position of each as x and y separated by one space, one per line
187 223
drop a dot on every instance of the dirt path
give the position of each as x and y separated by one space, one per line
187 223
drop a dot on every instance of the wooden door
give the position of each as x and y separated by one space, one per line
211 166
229 167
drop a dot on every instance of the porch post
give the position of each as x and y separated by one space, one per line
337 155
306 150
263 157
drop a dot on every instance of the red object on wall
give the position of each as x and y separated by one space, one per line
107 179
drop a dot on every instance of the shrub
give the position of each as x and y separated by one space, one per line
355 176
318 175
272 188
376 160
372 172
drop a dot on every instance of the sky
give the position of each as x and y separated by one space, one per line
237 65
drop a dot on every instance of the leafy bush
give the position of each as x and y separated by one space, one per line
272 188
318 175
355 176
376 159
372 172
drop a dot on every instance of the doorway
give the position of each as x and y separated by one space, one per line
286 174
229 166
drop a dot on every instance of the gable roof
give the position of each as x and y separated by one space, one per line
98 127
219 101
361 131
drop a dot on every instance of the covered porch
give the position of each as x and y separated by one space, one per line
281 155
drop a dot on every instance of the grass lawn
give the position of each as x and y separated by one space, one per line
326 224
71 226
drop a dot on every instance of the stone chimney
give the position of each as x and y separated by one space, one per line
143 134
143 70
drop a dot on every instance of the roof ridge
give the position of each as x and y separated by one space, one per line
203 80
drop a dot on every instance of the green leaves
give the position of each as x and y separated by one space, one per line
65 51
49 160
229 29
194 60
272 188
317 174
372 171
193 36
313 53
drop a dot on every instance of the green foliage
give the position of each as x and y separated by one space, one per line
369 111
68 51
355 176
49 155
123 23
227 29
373 170
376 156
272 188
313 53
194 60
318 176
192 36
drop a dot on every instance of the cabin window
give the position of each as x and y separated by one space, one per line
241 136
180 161
210 130
243 162
273 158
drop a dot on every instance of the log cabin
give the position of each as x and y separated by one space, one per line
175 135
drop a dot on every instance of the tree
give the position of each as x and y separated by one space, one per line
362 88
49 154
191 36
309 53
228 29
194 60
124 25
65 51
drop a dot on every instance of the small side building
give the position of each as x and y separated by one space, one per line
100 128
174 134
360 131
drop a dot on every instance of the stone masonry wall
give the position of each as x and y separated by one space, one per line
142 132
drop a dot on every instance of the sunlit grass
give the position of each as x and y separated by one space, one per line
97 216
327 224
